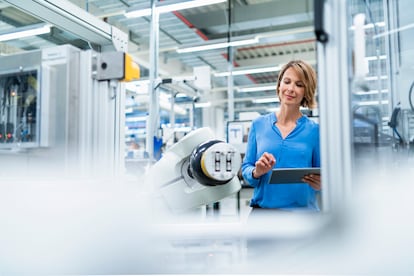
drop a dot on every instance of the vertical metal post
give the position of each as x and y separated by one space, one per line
391 50
230 54
172 113
391 12
153 116
230 89
191 116
335 108
119 135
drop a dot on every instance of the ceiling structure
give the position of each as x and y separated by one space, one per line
283 30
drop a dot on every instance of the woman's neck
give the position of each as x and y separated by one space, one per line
286 114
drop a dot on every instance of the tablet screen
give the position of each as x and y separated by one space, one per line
291 175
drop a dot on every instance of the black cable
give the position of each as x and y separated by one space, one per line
371 19
393 123
410 96
157 86
229 31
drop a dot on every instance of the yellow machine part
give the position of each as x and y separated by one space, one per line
132 71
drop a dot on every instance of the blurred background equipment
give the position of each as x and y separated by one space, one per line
56 115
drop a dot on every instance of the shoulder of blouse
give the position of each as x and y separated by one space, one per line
264 118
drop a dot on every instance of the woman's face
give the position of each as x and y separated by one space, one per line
291 88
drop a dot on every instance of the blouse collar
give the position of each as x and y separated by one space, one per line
301 119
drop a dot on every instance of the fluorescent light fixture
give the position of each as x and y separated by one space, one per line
266 100
218 45
26 31
373 102
175 6
370 25
248 71
200 105
182 5
135 119
138 13
257 88
371 92
383 77
181 95
372 58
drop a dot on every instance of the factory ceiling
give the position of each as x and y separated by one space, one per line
282 30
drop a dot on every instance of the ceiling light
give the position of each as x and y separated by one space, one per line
26 31
182 5
383 77
175 6
220 45
133 119
200 105
181 95
257 88
370 25
370 92
371 58
373 102
248 71
138 13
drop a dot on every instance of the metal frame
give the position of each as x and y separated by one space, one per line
153 116
102 122
71 18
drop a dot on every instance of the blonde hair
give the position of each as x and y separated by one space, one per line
308 77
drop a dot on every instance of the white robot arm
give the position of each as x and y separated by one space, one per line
195 171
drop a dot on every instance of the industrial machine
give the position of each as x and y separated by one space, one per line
62 111
18 107
196 171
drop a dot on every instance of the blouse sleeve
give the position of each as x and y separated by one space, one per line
250 158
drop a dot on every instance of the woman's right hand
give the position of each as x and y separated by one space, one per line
264 164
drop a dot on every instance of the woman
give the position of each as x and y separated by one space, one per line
285 139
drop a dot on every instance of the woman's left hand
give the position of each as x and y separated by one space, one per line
314 180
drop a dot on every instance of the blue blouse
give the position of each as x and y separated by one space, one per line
299 149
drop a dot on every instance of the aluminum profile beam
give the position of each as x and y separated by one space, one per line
71 18
335 110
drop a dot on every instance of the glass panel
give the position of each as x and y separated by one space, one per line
382 44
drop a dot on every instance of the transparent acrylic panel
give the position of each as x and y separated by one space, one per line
381 47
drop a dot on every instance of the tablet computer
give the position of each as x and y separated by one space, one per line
291 175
